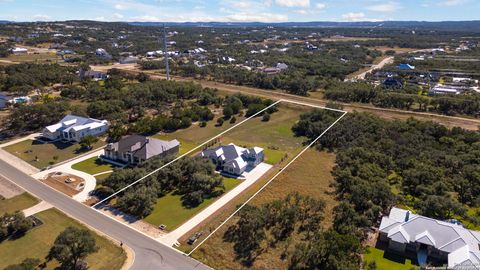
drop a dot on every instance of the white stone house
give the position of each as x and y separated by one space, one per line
430 239
74 128
233 159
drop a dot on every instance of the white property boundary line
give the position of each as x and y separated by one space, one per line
211 139
180 157
266 184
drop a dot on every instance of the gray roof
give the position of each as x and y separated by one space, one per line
143 147
462 244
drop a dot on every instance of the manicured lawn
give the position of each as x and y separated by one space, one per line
170 211
93 166
47 153
387 262
185 145
37 243
17 203
275 136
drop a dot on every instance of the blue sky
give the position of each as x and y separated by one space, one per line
239 10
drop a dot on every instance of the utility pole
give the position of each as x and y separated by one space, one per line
165 52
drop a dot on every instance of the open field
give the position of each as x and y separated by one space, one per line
275 136
33 57
93 165
37 243
46 153
17 203
386 261
310 175
170 211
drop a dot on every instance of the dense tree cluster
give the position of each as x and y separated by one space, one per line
276 224
467 104
32 117
14 225
424 165
194 179
22 78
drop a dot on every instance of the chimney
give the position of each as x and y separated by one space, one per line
407 216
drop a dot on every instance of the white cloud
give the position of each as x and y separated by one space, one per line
451 3
145 18
354 16
41 17
385 8
293 3
117 16
259 17
320 5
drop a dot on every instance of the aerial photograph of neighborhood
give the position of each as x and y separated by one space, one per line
240 134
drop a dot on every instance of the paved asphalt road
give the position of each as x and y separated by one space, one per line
149 254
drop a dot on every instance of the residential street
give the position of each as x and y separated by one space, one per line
149 254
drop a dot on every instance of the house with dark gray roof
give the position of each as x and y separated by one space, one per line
233 159
430 240
135 149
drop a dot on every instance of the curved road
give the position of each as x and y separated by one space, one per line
149 254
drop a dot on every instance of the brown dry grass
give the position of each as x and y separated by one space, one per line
309 175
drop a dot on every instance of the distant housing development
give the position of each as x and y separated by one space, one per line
135 149
233 159
430 240
74 128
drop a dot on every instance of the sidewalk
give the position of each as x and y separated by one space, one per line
17 162
251 177
41 206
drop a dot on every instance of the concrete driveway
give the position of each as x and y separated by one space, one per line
90 181
251 177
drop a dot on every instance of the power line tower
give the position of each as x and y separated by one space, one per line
165 52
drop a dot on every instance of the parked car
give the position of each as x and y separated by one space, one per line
194 238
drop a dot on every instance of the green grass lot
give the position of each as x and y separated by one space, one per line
275 136
185 145
29 149
17 203
37 243
170 211
93 165
383 263
41 57
102 177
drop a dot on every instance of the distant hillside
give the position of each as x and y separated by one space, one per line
447 25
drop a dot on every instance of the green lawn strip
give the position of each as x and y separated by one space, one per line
170 211
185 145
377 255
93 165
28 150
37 243
17 203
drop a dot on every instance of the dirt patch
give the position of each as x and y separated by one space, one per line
8 189
65 183
132 221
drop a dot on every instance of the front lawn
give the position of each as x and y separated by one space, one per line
170 211
37 243
93 165
387 261
17 203
41 155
